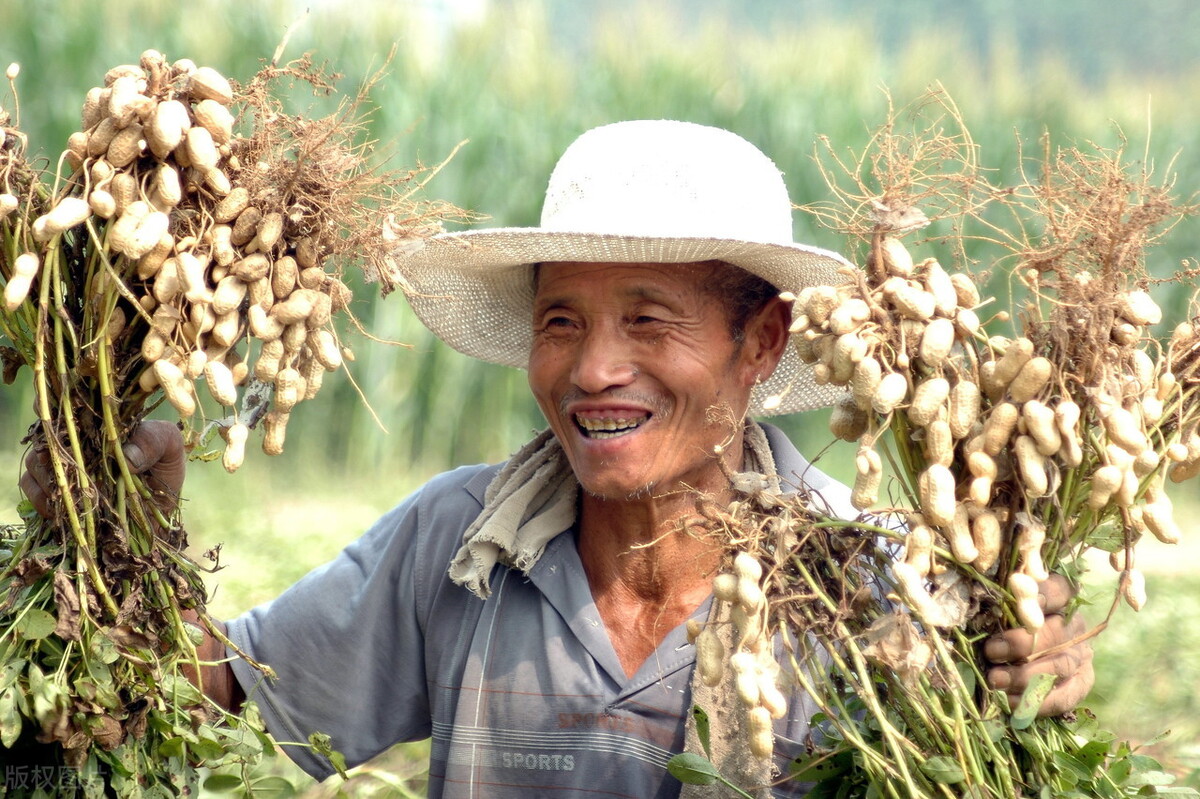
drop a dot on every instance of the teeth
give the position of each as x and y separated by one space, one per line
608 428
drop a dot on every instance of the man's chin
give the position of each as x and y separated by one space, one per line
639 494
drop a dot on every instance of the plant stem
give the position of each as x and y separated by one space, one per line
215 632
42 391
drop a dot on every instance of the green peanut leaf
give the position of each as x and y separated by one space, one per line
944 770
1035 693
9 673
1073 771
702 728
223 783
819 766
10 719
692 769
35 625
273 788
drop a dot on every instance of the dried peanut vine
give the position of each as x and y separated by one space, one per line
191 233
1010 456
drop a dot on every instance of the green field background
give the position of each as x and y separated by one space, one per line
517 81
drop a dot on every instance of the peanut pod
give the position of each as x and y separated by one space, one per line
936 342
1024 590
986 532
725 587
867 375
1016 355
762 737
869 469
962 543
928 400
235 447
1133 588
918 546
999 427
939 443
935 486
1032 466
890 392
1030 380
710 657
939 284
1040 423
964 405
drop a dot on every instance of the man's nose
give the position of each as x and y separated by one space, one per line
603 361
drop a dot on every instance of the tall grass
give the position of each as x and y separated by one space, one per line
519 94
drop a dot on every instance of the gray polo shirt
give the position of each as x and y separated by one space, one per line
522 694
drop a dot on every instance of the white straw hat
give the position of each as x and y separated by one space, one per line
650 191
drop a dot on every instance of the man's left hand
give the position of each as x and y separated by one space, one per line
1019 656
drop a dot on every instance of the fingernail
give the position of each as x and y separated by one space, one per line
1000 679
135 457
998 650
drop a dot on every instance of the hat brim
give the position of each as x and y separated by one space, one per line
474 290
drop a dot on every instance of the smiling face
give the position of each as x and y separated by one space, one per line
629 361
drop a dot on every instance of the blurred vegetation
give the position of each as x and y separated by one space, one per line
1148 663
519 82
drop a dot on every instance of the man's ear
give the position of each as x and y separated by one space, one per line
766 337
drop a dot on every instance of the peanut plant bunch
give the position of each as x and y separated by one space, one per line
192 234
1012 454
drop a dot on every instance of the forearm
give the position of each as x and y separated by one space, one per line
216 678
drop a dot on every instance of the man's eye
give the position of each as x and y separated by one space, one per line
557 321
646 320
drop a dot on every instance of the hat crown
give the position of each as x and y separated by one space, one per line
664 178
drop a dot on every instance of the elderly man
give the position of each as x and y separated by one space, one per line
530 618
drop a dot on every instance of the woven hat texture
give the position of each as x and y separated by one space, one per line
647 191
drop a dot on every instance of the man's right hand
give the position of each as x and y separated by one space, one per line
154 449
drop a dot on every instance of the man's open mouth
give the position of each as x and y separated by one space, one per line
609 428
